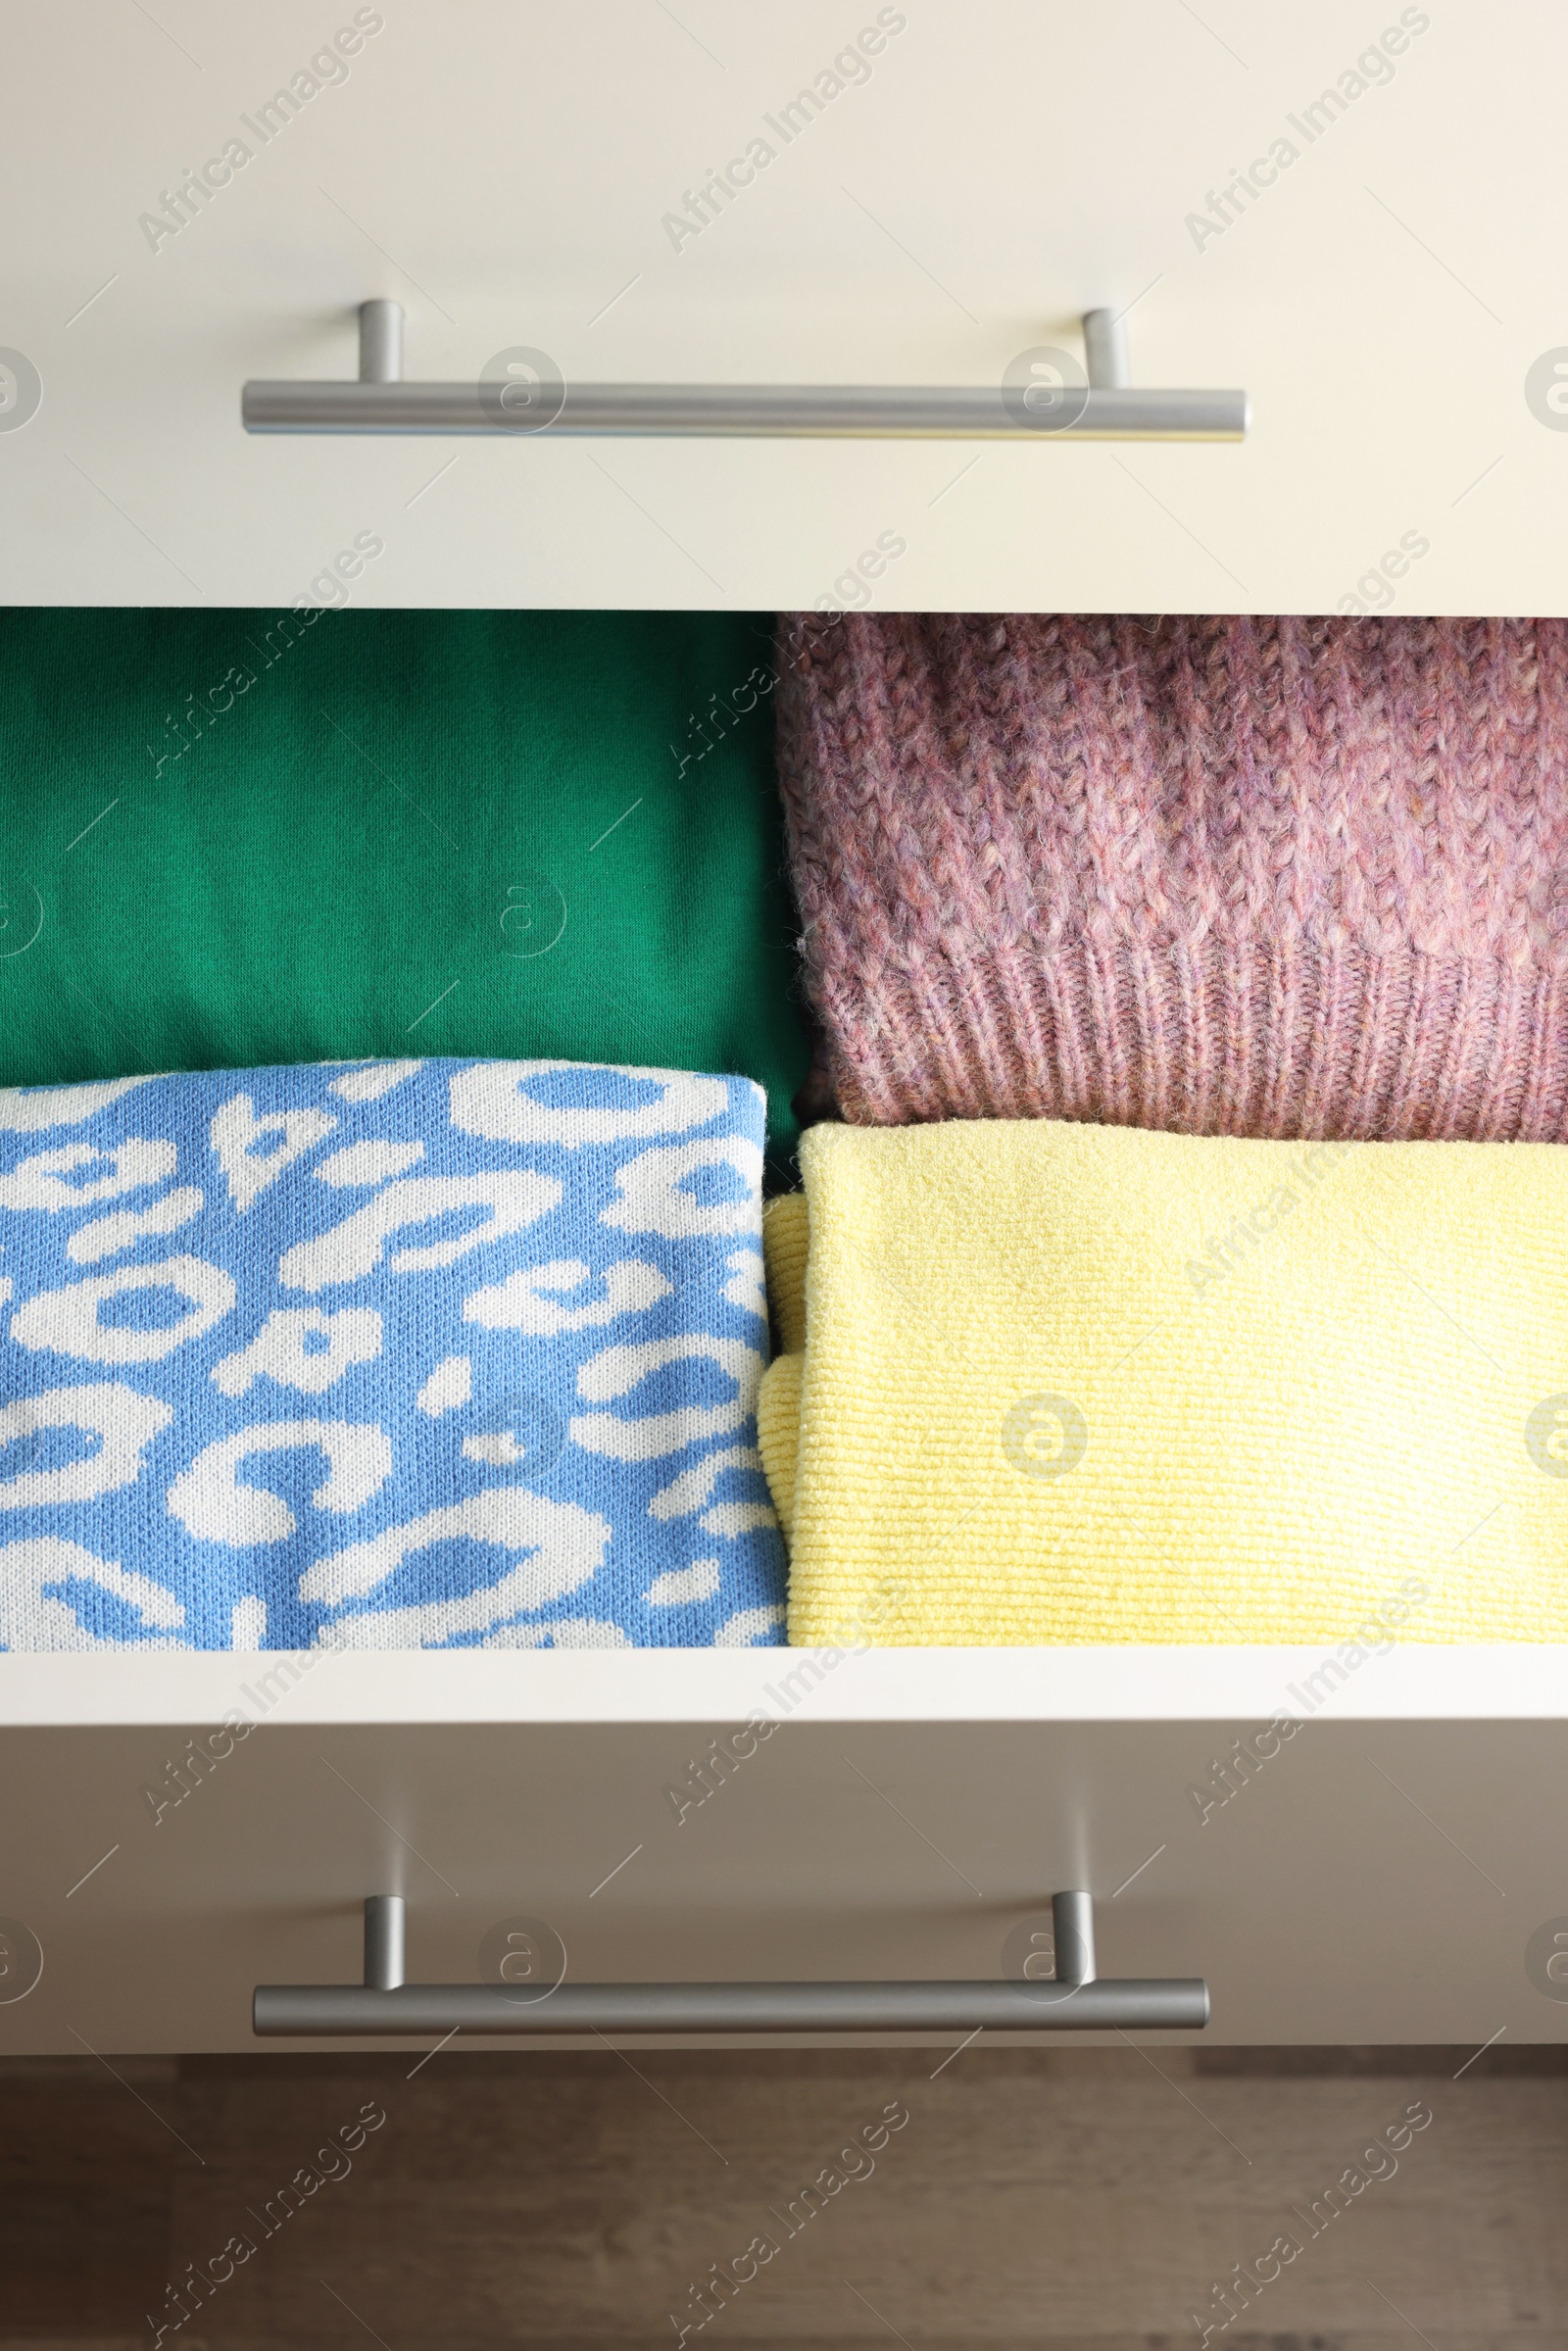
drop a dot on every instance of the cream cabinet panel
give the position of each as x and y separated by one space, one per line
1356 212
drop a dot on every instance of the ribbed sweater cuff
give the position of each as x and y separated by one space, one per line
1296 1039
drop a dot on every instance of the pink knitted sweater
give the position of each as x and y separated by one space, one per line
1225 876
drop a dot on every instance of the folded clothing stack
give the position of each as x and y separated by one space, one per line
1221 876
398 1354
241 838
1057 1383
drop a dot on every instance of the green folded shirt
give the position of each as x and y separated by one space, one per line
232 838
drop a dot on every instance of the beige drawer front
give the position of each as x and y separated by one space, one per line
1385 1873
825 194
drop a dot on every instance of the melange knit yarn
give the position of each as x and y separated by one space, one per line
1225 876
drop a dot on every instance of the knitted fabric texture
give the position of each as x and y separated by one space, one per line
1082 1384
1267 877
414 1354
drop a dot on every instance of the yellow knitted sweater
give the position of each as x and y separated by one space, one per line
1046 1383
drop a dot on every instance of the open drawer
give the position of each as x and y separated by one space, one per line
1381 1872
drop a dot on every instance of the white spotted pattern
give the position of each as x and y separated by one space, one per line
359 1355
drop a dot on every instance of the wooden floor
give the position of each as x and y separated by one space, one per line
1067 2199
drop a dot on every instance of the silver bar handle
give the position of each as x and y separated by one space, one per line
1075 2001
756 412
1111 408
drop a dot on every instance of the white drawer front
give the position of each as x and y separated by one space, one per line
1271 192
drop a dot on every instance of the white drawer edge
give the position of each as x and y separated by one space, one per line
1460 1683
